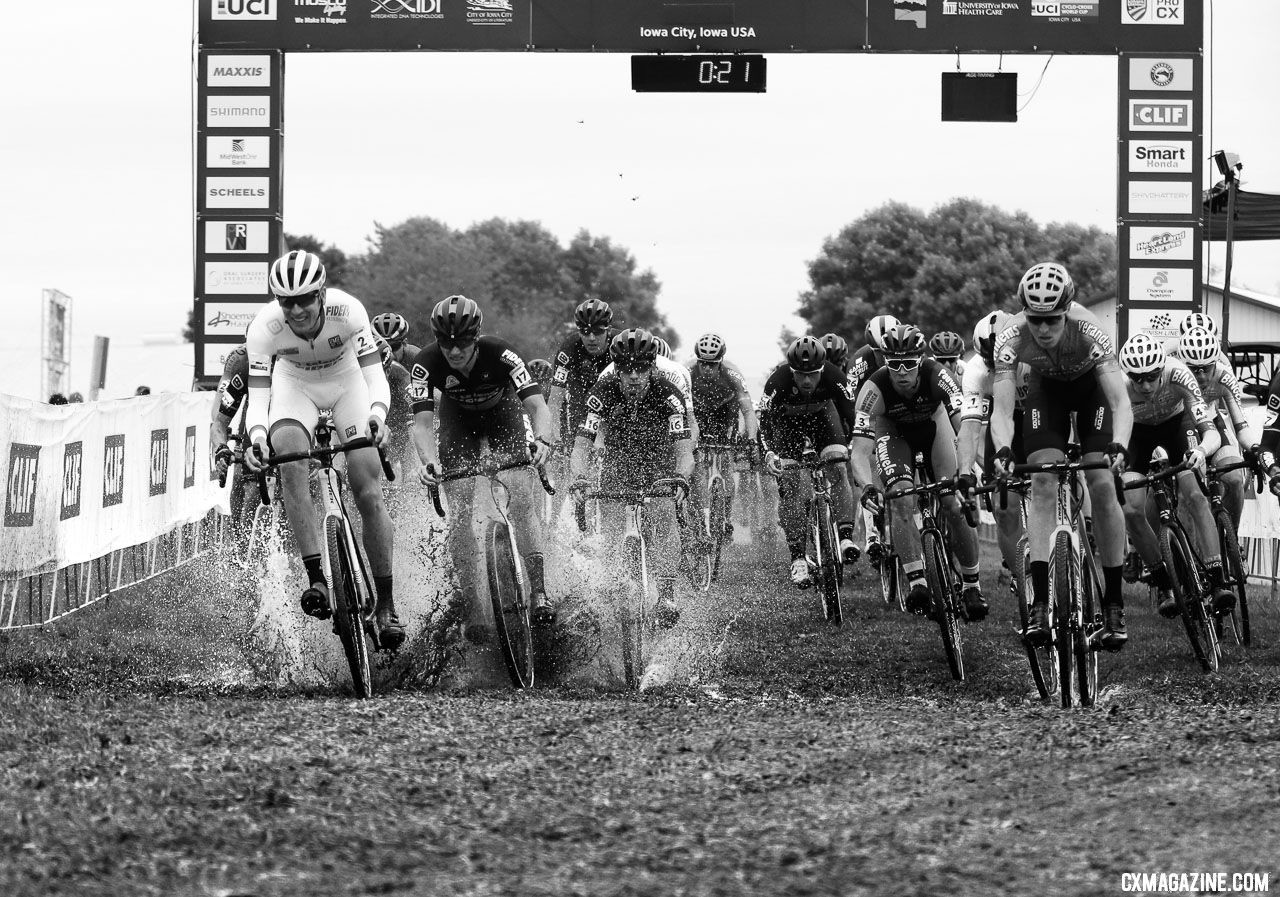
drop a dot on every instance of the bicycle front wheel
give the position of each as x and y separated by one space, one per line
1044 666
719 520
943 586
1188 590
828 566
1233 566
509 597
1064 587
633 613
348 619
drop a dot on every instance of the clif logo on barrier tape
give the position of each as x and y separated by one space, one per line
20 489
113 470
159 462
72 479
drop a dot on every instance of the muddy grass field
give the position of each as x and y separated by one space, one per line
146 750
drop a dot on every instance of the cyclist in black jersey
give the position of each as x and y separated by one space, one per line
579 362
806 398
912 406
394 329
643 418
720 398
480 390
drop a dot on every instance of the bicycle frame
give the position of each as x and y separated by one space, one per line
821 525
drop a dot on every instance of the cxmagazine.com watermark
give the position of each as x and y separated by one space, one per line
1195 882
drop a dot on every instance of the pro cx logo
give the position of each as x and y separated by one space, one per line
1153 12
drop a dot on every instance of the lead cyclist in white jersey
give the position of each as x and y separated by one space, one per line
326 358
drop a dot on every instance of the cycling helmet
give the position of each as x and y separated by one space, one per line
876 329
593 314
391 327
1141 354
709 347
296 273
633 347
384 349
664 347
539 369
1199 319
805 355
456 317
1199 345
986 331
905 340
837 349
946 345
1046 289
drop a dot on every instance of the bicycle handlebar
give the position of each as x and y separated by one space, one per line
485 467
1218 470
1061 469
654 490
1167 473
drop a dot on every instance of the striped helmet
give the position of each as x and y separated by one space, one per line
456 317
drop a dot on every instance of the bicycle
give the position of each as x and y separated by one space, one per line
636 616
1188 575
509 594
1232 561
703 554
351 593
1075 585
941 569
264 529
822 550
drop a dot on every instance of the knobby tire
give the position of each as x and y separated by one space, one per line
941 583
1233 566
1044 666
347 617
828 565
1064 582
509 597
1187 590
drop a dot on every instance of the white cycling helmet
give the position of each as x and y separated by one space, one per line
986 331
710 347
877 327
296 273
1046 289
1198 319
1199 345
1141 354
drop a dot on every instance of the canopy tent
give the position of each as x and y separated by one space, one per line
1257 215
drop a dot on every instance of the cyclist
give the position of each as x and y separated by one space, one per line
1200 351
870 356
1162 391
326 359
947 347
481 391
720 397
233 386
394 329
806 398
837 350
1073 368
581 359
679 377
912 406
644 422
975 434
1189 322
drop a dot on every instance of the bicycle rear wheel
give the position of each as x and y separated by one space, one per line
1064 584
348 620
943 586
1044 666
1233 566
828 566
509 597
1187 589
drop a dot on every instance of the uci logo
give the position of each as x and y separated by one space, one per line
244 9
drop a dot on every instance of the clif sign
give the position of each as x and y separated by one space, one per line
1160 115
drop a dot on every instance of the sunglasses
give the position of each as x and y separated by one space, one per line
593 331
289 303
902 364
1203 368
1145 378
634 368
460 342
1046 321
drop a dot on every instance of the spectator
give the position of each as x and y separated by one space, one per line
143 390
75 398
57 398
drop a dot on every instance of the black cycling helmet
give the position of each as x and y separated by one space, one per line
805 355
633 347
391 327
456 317
593 314
837 349
903 341
946 345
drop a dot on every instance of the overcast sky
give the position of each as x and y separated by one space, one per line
724 198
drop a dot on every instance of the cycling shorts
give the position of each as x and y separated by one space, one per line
896 454
1173 435
463 434
1046 414
988 454
821 428
298 397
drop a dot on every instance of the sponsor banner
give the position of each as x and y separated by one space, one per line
229 318
1066 11
84 480
1159 244
318 12
1161 74
407 9
236 237
1160 115
1161 323
1161 198
245 10
1153 12
1165 156
235 278
237 152
240 111
237 192
1168 286
238 71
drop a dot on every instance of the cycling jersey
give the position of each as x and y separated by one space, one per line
1221 382
673 372
1271 425
1084 346
576 371
976 387
405 355
641 436
862 364
882 409
495 368
1176 391
717 388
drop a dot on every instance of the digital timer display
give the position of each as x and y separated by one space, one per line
698 74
